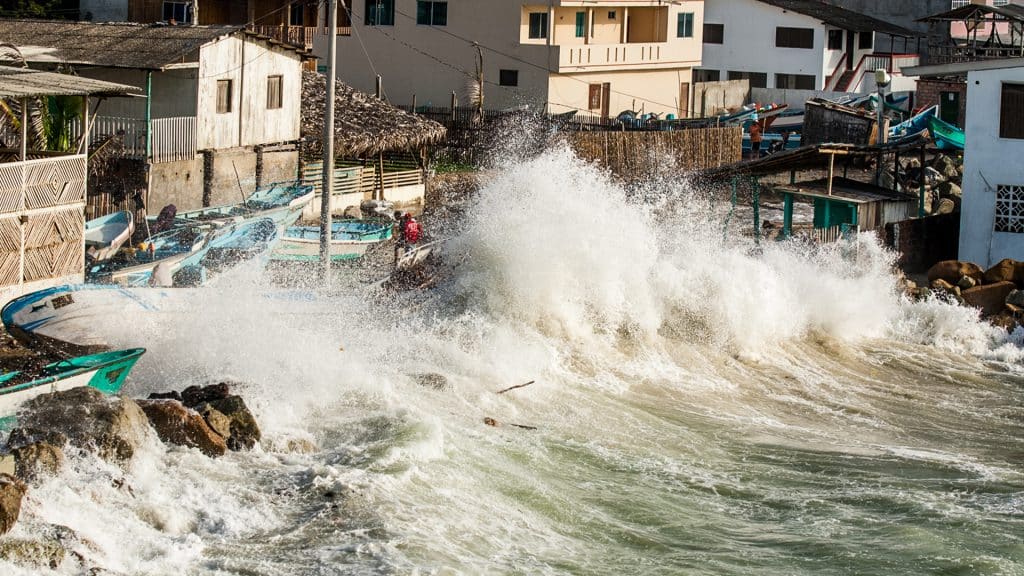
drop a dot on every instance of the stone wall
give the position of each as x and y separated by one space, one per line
922 242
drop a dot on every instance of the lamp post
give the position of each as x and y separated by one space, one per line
882 80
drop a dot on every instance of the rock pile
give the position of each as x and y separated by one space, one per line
942 180
997 292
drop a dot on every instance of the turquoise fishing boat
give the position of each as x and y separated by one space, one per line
281 202
349 240
912 127
105 235
229 247
105 371
133 267
946 136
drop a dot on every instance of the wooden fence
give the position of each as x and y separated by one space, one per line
351 179
629 154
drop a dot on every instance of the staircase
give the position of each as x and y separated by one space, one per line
843 85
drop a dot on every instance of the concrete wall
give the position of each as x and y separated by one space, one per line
713 98
250 122
921 242
179 183
103 10
989 161
794 98
431 63
903 13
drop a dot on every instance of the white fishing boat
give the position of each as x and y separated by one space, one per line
105 235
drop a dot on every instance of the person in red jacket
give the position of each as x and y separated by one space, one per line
409 234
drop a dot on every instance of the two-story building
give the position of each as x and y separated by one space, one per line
597 56
800 44
218 99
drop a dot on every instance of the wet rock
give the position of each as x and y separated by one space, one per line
12 491
966 282
1015 298
946 166
176 424
24 436
215 419
949 190
922 293
942 285
945 206
490 421
37 553
1004 320
952 270
431 380
112 427
33 461
172 395
195 395
990 298
300 446
245 433
1003 271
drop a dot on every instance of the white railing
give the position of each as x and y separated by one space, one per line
131 130
174 139
630 53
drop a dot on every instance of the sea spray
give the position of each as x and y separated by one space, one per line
702 403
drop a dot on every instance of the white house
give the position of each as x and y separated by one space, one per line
800 44
992 210
218 98
596 56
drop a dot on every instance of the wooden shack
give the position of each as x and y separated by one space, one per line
830 123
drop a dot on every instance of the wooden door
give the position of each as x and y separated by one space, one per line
850 47
606 98
684 99
949 107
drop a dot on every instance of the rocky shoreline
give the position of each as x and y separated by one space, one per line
998 293
210 419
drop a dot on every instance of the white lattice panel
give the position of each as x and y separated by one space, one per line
54 181
1009 209
10 251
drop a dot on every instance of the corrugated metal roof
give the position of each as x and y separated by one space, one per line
113 44
1012 12
842 18
21 82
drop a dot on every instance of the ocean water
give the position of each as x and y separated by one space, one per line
699 405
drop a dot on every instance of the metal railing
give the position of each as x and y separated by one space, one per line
174 139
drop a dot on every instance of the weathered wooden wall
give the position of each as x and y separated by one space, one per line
828 125
632 154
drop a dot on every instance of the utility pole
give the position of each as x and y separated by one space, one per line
327 187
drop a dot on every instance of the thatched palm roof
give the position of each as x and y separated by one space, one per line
363 125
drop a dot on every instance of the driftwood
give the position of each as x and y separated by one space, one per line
516 386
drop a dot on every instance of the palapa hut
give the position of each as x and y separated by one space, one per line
380 150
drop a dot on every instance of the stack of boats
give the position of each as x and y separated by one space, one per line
127 280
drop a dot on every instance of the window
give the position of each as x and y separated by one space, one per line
706 75
684 25
581 24
865 40
794 37
594 100
835 39
611 14
795 81
178 11
960 3
1009 209
431 13
295 14
1011 112
380 13
538 24
223 96
714 33
508 77
274 91
757 79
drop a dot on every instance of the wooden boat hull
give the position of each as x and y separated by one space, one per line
283 208
350 240
947 136
105 371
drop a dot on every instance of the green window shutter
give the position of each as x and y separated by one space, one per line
581 24
684 25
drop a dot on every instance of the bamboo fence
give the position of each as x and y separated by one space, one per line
629 154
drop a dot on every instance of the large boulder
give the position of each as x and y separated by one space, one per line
245 433
991 298
113 427
1003 271
48 548
949 190
196 395
946 166
953 270
215 419
12 491
1015 298
176 424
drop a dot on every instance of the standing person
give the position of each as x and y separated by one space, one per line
411 233
755 138
399 234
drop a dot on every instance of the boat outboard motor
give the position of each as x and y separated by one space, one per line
376 208
165 221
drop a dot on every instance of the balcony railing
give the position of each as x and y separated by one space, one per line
622 55
970 53
299 36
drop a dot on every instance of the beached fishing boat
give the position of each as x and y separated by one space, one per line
133 267
105 235
946 136
281 202
913 126
105 371
229 246
349 240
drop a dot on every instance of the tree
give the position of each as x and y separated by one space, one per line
44 9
